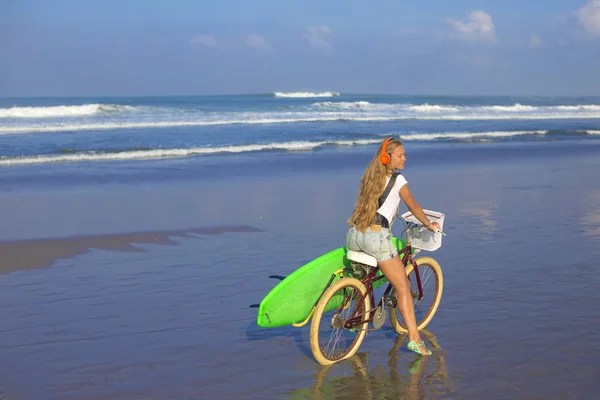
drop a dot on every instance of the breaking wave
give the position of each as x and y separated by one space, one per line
144 154
436 108
297 118
63 111
468 135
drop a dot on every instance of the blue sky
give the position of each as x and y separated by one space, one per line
152 47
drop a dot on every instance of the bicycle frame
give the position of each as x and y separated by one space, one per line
370 279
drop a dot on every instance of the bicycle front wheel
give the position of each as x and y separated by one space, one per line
330 340
432 283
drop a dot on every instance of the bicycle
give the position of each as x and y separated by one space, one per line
352 300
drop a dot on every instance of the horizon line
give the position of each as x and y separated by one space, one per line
339 93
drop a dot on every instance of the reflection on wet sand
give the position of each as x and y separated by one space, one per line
28 254
424 377
590 221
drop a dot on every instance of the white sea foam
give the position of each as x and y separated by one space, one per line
92 156
326 117
61 111
469 110
427 108
305 94
467 135
583 107
136 125
365 105
177 153
514 108
344 105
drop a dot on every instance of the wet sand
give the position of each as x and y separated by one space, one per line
28 254
171 320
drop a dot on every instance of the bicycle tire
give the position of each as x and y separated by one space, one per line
396 319
325 357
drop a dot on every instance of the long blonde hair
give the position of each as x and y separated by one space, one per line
372 185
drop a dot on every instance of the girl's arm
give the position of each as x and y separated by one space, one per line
416 209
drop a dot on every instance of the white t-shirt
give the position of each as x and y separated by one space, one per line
389 208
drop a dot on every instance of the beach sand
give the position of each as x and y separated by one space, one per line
139 292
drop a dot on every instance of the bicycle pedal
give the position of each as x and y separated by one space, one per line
390 301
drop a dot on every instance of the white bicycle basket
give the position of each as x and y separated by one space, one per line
421 237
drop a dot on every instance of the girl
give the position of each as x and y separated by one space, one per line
379 197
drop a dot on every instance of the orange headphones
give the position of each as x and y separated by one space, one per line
384 157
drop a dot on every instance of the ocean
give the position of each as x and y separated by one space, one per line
47 131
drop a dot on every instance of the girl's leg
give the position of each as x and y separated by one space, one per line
396 274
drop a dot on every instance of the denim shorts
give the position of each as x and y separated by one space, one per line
376 244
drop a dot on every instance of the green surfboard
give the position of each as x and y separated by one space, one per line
292 300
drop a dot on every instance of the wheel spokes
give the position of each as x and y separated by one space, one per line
337 339
422 306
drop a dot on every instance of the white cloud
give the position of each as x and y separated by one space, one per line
318 37
204 40
478 27
258 41
589 16
534 40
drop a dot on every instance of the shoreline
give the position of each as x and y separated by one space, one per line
256 165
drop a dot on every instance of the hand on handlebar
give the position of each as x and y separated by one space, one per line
434 227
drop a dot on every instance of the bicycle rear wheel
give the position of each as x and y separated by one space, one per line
432 282
330 341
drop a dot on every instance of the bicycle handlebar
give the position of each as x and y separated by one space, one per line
411 225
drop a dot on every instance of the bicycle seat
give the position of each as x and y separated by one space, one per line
362 258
